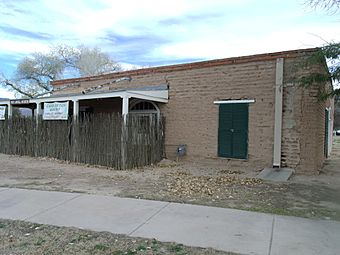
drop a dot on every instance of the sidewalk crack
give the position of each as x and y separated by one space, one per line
4 189
51 208
271 236
148 219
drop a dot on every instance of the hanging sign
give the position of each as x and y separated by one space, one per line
55 111
2 112
20 101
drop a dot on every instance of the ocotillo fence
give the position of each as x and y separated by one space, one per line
99 139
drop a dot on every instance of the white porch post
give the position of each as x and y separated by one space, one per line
75 130
37 119
125 111
10 110
125 107
75 109
39 112
278 113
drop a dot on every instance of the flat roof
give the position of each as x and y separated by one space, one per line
157 93
193 65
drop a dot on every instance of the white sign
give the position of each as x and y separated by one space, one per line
55 111
20 101
2 112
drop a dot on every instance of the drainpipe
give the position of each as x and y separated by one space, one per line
278 113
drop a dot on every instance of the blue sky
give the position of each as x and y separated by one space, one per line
151 33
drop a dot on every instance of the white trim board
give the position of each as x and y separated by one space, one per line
241 101
154 95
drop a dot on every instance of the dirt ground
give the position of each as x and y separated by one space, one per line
18 237
196 183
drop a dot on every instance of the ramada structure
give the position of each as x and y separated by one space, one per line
246 111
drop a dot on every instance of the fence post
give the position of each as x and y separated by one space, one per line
123 141
123 149
9 128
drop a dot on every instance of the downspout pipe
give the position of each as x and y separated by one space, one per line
278 113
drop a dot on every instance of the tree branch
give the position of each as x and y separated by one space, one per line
329 5
13 86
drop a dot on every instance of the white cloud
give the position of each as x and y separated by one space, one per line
219 44
183 28
22 47
6 94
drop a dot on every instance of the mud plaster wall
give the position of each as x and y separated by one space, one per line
192 117
303 128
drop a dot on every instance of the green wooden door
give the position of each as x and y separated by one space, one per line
233 131
224 131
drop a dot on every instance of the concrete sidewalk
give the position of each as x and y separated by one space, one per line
222 229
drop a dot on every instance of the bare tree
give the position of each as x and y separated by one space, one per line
34 73
93 61
329 5
86 61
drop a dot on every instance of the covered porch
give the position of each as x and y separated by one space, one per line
143 100
120 141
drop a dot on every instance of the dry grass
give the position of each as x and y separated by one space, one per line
18 237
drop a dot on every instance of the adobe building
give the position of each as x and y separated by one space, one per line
246 112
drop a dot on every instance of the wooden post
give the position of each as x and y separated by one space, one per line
37 129
75 109
9 110
125 107
123 148
75 130
9 128
38 113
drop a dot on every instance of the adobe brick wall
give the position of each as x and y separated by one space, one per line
303 128
192 117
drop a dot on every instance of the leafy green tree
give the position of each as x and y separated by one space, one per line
330 52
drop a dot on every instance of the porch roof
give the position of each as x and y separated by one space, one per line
152 93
